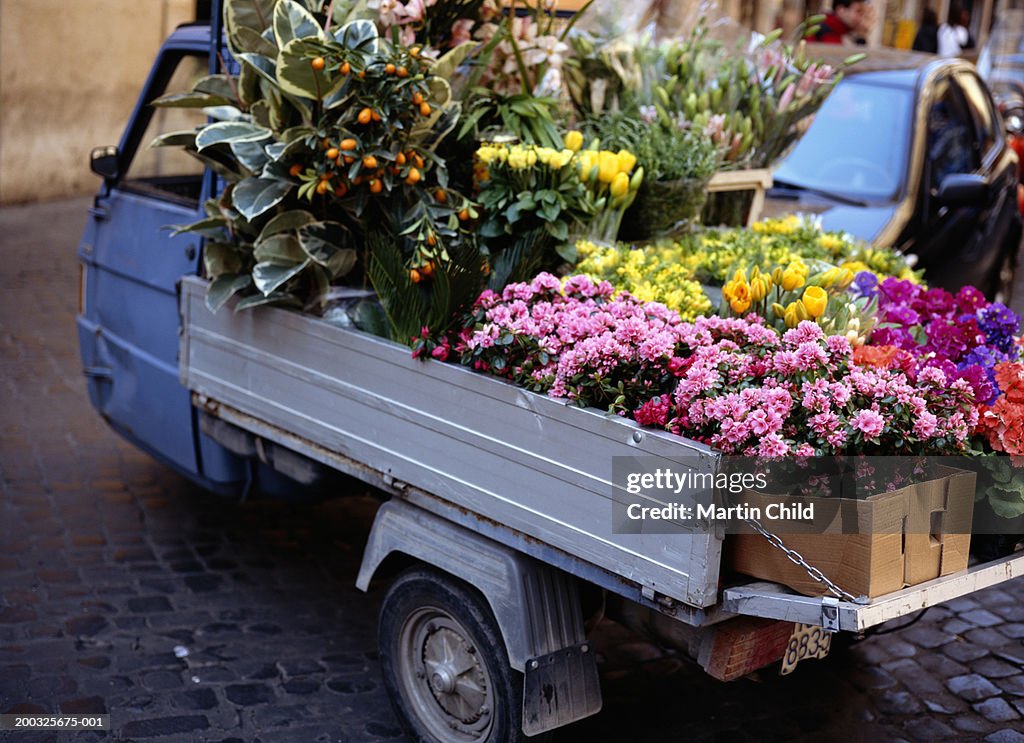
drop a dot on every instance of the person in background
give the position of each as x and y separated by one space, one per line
848 23
927 38
953 36
965 21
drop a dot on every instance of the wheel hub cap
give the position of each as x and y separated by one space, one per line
443 679
456 678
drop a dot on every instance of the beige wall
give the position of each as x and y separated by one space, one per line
69 75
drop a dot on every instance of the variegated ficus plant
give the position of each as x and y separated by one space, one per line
325 143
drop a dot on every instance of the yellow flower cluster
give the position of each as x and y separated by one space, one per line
743 292
785 296
649 274
712 255
521 157
781 226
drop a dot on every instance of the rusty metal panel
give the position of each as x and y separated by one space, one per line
526 461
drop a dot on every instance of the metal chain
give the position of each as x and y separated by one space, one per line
797 559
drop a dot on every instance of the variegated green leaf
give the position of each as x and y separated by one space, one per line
286 222
269 277
222 85
254 196
292 21
175 139
296 75
265 66
190 100
360 34
279 299
250 41
283 249
230 131
327 244
252 14
224 287
221 258
275 150
251 154
209 227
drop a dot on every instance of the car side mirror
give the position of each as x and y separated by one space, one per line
105 162
1013 121
963 189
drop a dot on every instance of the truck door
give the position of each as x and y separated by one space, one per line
128 326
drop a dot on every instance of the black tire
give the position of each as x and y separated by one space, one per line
444 663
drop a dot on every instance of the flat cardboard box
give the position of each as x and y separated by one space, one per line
904 537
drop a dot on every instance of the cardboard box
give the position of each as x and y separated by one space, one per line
904 537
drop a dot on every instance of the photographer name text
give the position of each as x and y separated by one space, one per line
711 512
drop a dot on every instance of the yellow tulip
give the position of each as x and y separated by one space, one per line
791 279
627 161
778 310
739 306
801 311
620 185
815 300
588 161
791 316
608 166
758 289
741 291
573 140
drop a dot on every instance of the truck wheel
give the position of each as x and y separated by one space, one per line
444 663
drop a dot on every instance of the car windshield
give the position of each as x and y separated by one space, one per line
857 145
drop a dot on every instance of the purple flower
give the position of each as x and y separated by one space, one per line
952 339
899 337
935 303
901 314
900 291
970 299
999 324
982 382
865 284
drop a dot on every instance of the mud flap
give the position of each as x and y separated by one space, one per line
560 688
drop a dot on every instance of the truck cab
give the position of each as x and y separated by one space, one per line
131 265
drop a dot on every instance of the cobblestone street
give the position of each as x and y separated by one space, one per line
125 590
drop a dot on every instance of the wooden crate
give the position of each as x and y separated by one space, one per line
758 181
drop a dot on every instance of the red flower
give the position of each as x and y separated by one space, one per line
654 412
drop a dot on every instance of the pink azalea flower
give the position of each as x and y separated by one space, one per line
869 422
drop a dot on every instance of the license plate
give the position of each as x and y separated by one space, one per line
807 641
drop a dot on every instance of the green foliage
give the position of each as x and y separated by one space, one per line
666 153
430 306
520 261
326 130
521 116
